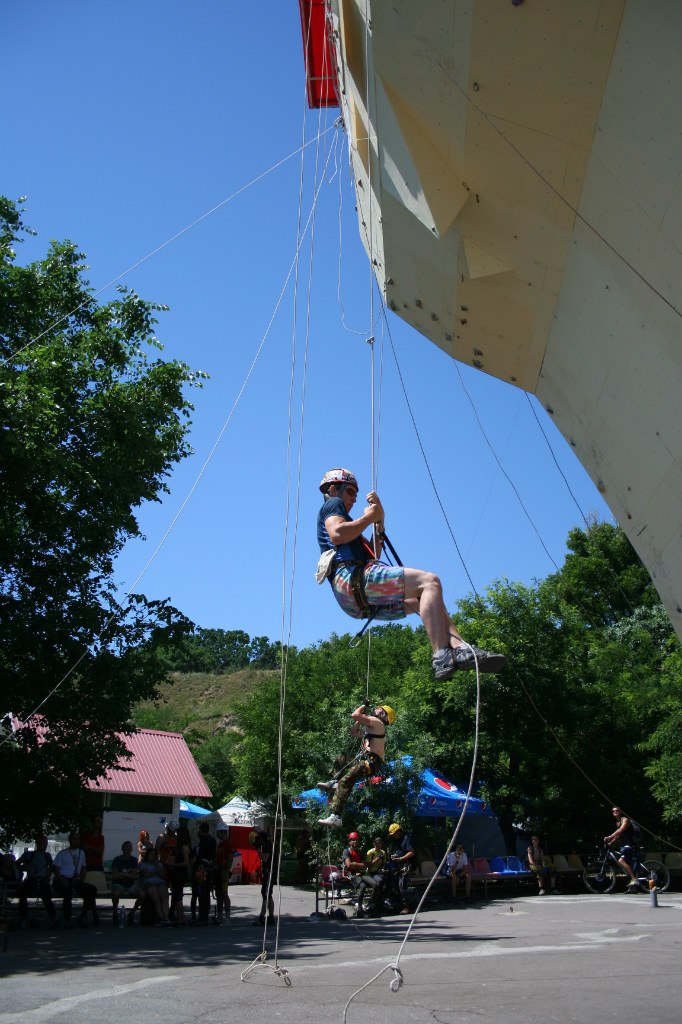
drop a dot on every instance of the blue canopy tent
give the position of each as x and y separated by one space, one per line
188 810
438 798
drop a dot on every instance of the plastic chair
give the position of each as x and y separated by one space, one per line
561 865
427 868
673 861
575 862
332 880
482 867
517 866
98 879
498 865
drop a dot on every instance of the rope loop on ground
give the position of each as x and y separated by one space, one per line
397 980
260 961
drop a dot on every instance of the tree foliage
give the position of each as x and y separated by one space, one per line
220 650
93 421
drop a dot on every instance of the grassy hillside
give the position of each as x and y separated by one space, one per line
197 704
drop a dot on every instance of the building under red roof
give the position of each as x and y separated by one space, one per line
161 765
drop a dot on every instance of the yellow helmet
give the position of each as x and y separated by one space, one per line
390 713
395 827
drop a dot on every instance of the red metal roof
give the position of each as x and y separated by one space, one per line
162 765
319 59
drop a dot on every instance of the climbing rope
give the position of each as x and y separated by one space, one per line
397 979
285 631
154 252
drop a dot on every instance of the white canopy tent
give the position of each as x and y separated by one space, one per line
245 813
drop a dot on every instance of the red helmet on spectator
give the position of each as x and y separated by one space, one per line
353 835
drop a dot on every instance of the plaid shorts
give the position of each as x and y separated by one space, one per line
384 588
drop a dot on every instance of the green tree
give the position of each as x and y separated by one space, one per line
215 760
220 650
92 425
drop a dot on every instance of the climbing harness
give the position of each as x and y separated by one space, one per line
371 611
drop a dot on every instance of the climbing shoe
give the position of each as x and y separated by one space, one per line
334 821
487 661
449 660
443 663
327 787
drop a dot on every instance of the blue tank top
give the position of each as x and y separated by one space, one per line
355 550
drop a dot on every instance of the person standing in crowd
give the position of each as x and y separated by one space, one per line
69 868
399 866
9 873
38 866
269 859
144 843
180 868
540 866
302 850
165 844
460 868
223 870
125 870
203 873
92 845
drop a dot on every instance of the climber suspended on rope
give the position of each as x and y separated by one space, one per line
368 588
369 761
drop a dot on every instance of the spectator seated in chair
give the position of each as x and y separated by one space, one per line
125 871
38 867
69 869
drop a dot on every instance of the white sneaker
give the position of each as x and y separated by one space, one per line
334 821
542 892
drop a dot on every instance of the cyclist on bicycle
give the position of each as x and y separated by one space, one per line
624 836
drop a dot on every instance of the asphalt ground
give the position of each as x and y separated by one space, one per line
526 959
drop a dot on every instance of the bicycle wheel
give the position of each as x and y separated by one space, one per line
659 871
599 878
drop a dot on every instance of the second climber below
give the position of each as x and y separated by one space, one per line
366 587
368 762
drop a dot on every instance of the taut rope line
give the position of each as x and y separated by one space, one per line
158 249
201 472
279 813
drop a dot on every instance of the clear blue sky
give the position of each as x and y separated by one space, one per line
124 123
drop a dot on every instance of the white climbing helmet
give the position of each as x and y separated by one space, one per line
338 476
